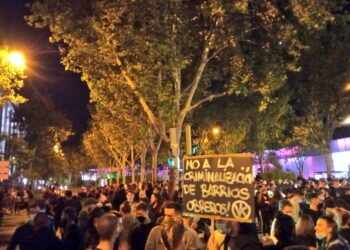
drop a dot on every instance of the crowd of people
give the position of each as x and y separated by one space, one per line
301 214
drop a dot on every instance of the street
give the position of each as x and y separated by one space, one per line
9 225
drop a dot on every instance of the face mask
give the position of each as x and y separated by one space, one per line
141 219
222 228
320 236
31 217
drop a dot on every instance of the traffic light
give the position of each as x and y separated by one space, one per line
195 149
171 162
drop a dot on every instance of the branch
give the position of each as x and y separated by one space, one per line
152 118
218 50
208 98
196 79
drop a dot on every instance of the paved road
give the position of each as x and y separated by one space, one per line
9 225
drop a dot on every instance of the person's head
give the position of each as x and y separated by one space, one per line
41 220
298 195
346 220
325 227
286 207
90 203
172 210
304 226
165 186
174 232
285 229
223 226
68 194
142 194
69 215
341 204
125 208
141 212
130 196
154 198
32 211
108 226
94 215
155 190
314 199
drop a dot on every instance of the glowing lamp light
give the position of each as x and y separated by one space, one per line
216 131
17 59
346 121
347 87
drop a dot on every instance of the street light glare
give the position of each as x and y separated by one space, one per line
216 131
347 121
17 59
347 87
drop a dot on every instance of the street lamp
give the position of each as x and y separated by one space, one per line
215 130
346 121
347 87
17 59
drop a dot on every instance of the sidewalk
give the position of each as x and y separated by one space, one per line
9 225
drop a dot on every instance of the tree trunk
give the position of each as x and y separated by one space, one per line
132 167
154 166
328 158
124 170
143 164
261 161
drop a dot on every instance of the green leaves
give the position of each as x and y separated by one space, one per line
11 79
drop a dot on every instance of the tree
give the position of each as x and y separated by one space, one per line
18 153
230 117
78 161
321 102
46 129
169 53
11 79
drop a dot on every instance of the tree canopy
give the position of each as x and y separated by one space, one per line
11 79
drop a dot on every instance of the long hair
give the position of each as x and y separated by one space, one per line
285 229
305 226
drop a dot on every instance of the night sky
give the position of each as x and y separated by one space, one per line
45 73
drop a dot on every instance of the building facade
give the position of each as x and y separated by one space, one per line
8 127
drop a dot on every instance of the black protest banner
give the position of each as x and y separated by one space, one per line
219 187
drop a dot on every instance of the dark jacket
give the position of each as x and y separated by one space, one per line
72 238
21 233
139 236
306 240
43 239
345 233
336 243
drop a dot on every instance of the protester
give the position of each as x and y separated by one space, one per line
327 232
313 210
305 232
25 230
296 198
345 228
172 221
90 237
70 234
285 207
265 208
221 235
43 238
138 237
108 229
